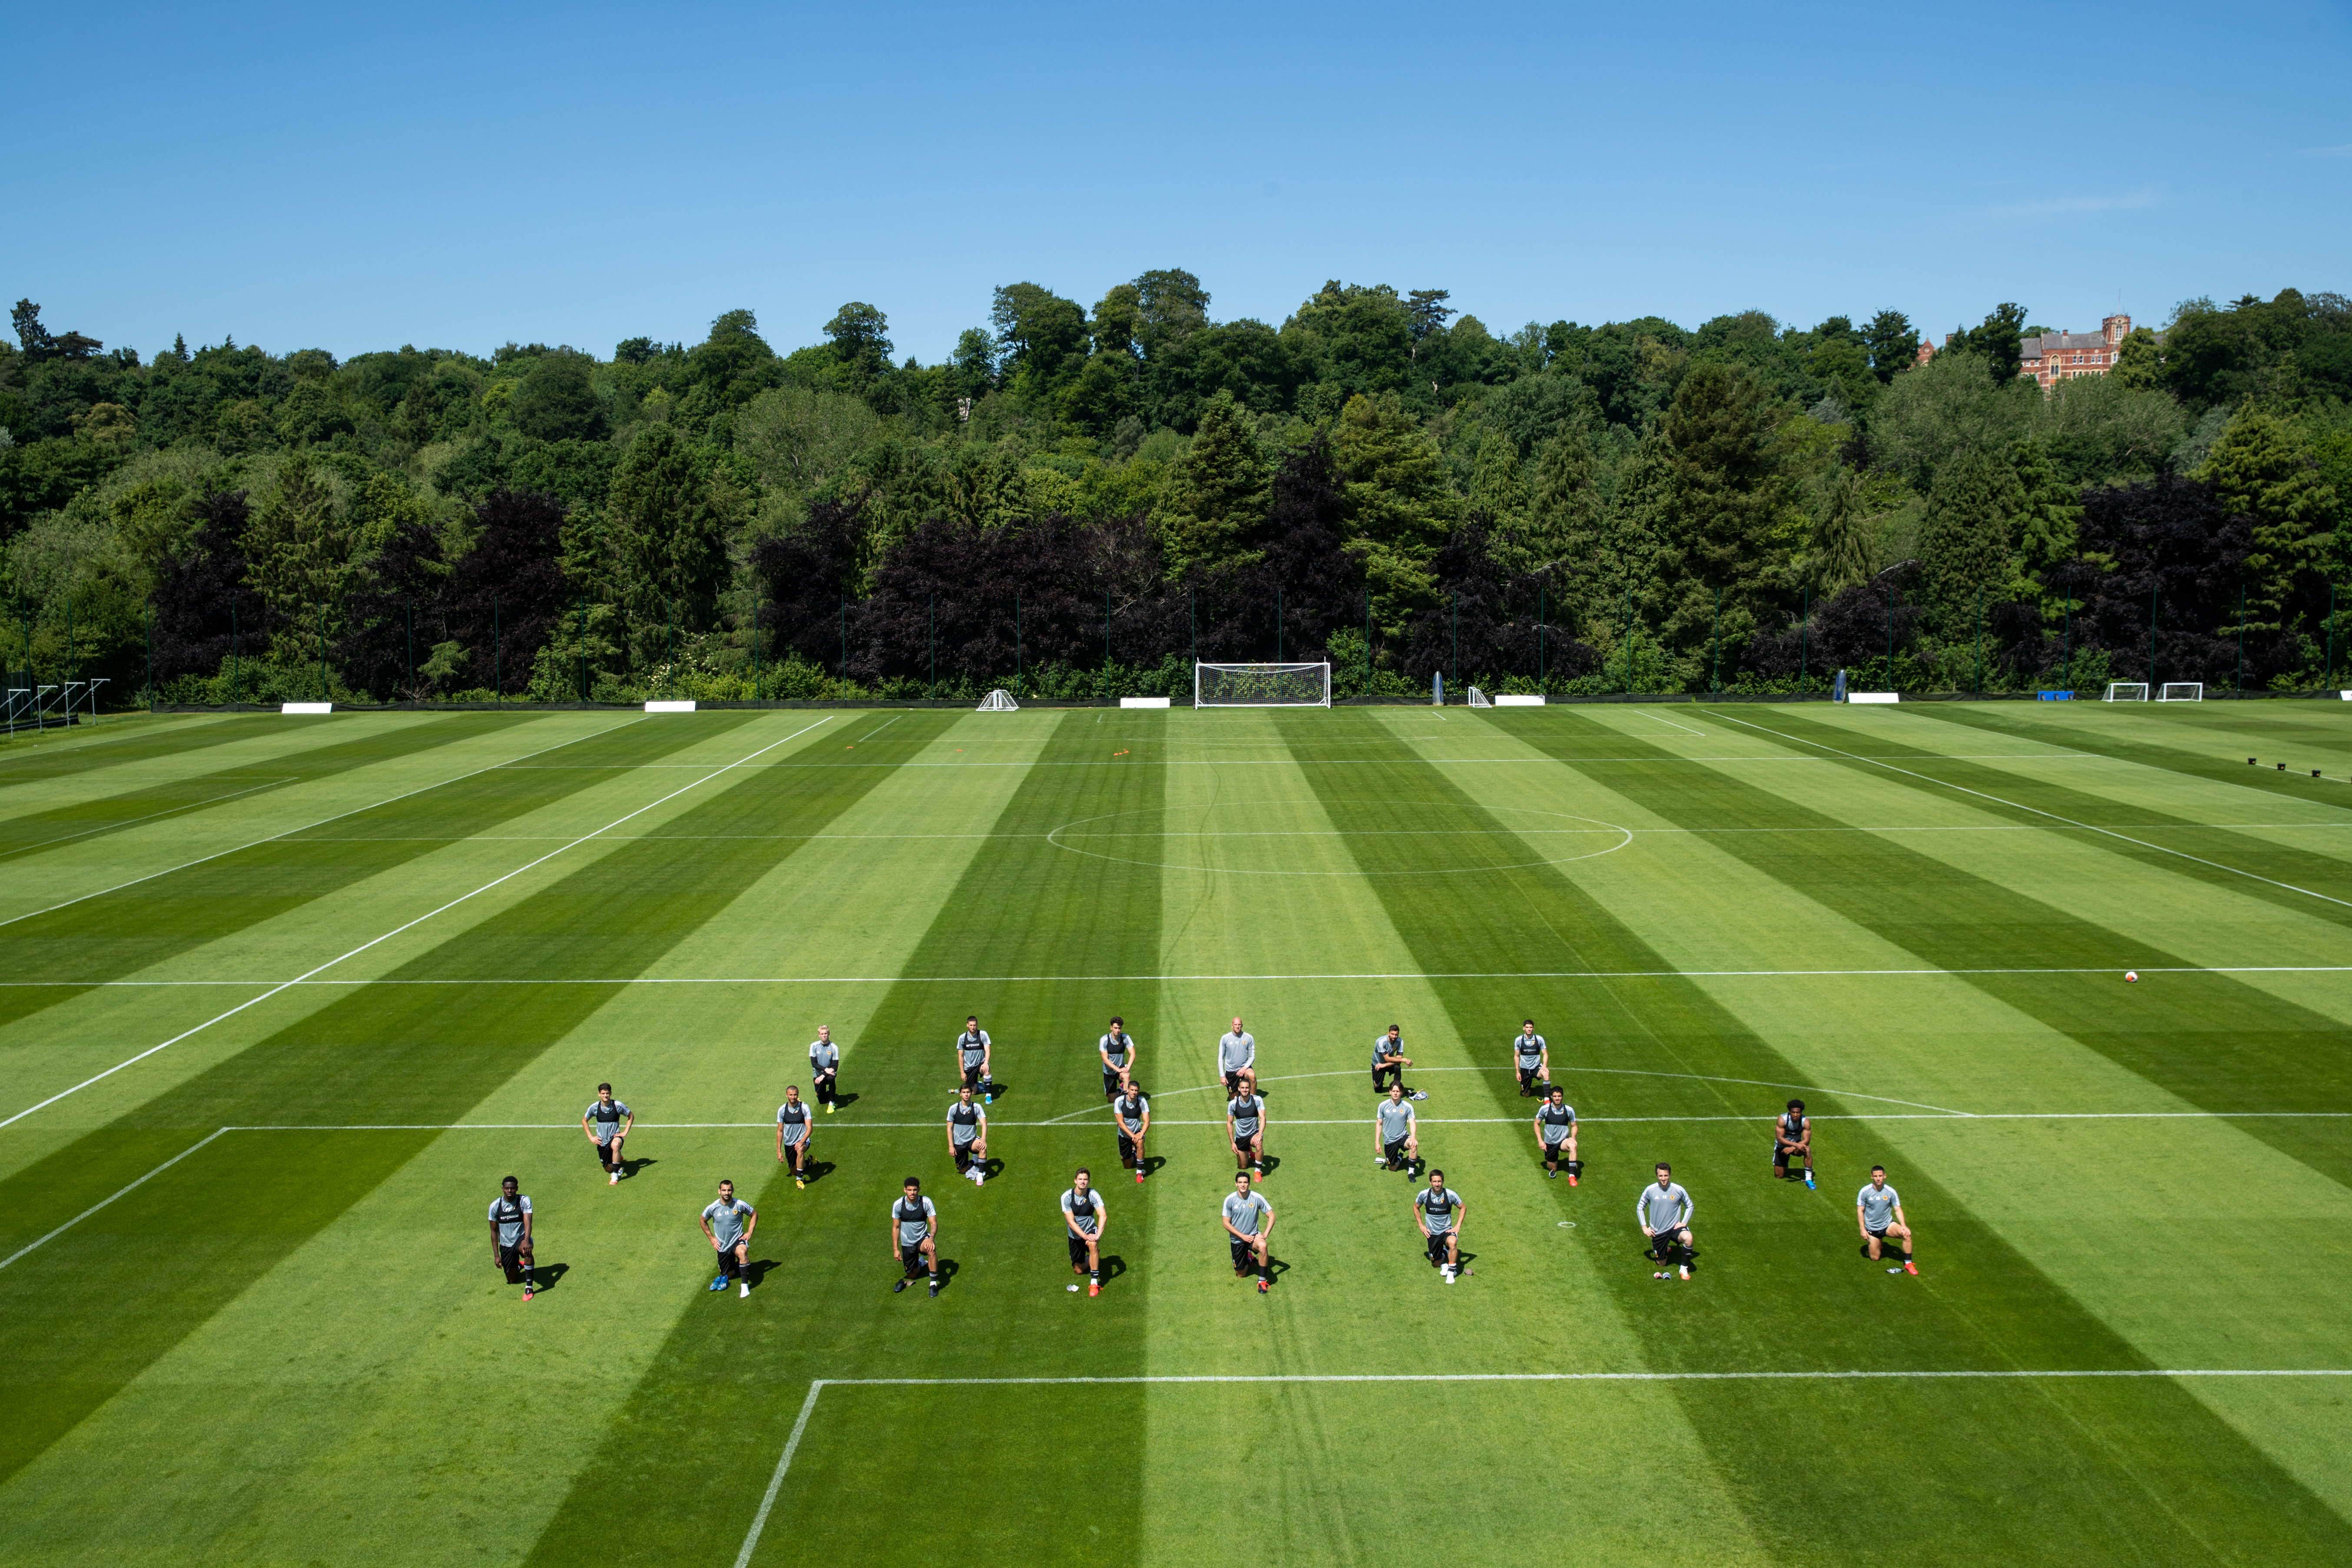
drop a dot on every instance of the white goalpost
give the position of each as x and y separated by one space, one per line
2182 692
999 701
2126 692
1261 685
1478 699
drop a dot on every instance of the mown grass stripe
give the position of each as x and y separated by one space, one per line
2227 1045
2164 1458
204 1230
156 918
718 1399
33 761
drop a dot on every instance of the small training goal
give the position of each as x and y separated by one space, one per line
1261 685
1478 699
2182 692
2126 692
999 701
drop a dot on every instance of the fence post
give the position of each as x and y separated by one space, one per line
2151 633
933 694
1890 637
669 642
2066 642
583 648
320 626
1016 643
1980 642
1106 674
1192 615
2241 637
236 652
1457 639
1804 634
151 656
1278 625
409 604
755 645
844 647
1367 641
2331 634
1541 683
1629 639
498 651
1715 680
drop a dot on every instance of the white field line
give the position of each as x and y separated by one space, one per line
305 827
409 925
134 821
33 748
1387 762
817 1386
1217 1086
876 729
2054 817
1660 719
1063 1124
31 1246
1152 979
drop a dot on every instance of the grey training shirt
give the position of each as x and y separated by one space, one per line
1246 1110
963 1122
1557 1122
1384 1047
823 1056
793 1117
1236 1052
1115 1048
974 1046
1131 1111
1439 1207
1085 1213
1667 1208
1396 1121
727 1220
506 1215
1247 1213
914 1218
604 1120
1878 1204
1531 1049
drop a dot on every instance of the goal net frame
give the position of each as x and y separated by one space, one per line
2127 688
1479 698
1261 685
2191 690
998 702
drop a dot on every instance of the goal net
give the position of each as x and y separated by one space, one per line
1478 699
2126 692
1261 685
999 701
2182 692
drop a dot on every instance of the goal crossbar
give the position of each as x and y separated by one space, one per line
2126 692
1261 685
2182 692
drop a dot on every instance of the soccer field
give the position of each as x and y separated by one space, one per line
281 999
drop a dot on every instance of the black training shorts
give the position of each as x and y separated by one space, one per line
1078 1249
911 1259
1244 1254
1394 1151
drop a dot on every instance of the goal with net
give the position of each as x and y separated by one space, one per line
2126 692
1261 685
2182 692
1478 699
999 701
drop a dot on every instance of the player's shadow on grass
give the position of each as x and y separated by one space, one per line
1268 1166
1153 1163
816 1170
991 1167
997 1090
758 1269
632 1164
1113 1266
1275 1267
845 1100
547 1276
948 1269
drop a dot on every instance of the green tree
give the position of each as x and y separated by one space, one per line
1497 486
2049 510
1999 339
1730 513
2140 363
860 337
1968 537
1893 343
557 400
1566 515
1842 536
1042 337
2260 470
299 548
1399 511
666 541
1216 509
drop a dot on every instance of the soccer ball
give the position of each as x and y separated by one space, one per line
2131 976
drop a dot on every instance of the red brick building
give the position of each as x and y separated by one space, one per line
2061 356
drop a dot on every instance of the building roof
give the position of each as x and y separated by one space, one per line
2062 342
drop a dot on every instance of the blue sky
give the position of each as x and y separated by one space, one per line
356 178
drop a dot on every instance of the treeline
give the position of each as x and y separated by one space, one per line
1082 501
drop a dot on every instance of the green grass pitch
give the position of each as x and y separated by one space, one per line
282 998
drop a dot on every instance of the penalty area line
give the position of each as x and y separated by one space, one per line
37 1246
